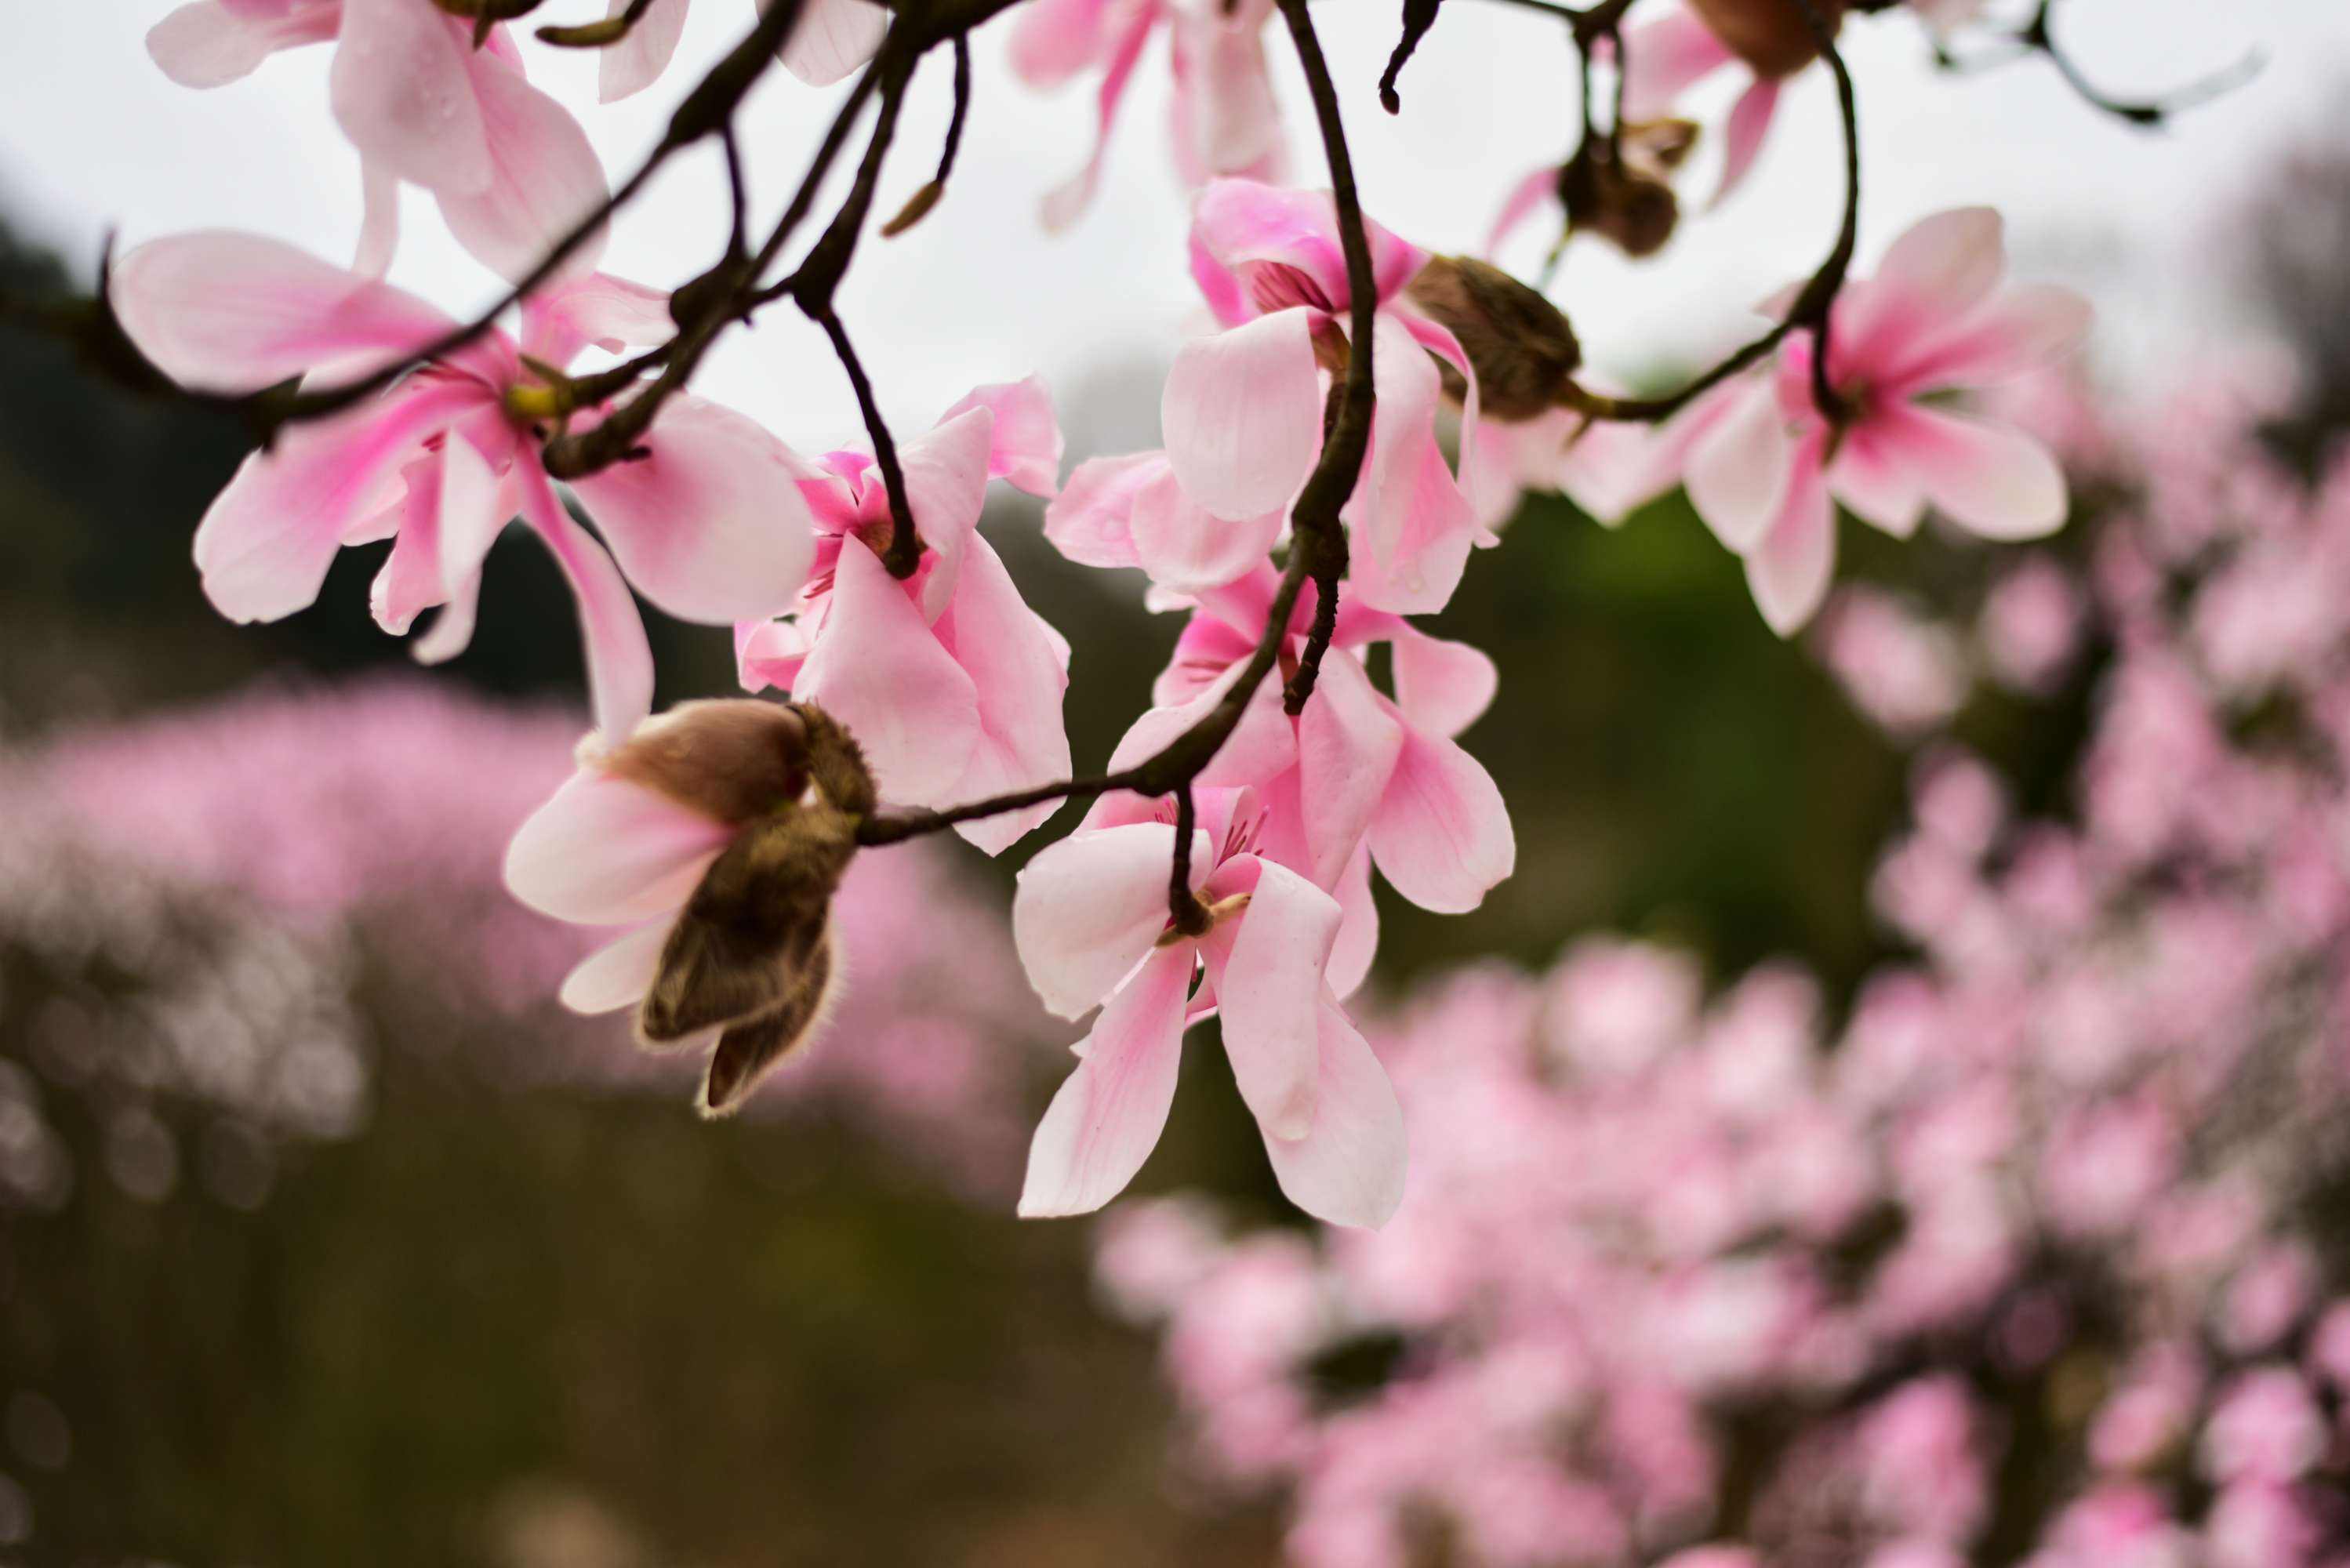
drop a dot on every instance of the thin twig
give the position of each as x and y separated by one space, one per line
918 206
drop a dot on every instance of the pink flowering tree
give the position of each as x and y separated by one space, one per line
1361 417
2030 1254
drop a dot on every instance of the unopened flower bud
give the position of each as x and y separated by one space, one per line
1520 346
1622 192
1771 35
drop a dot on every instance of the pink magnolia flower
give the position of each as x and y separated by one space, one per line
1243 409
1664 58
951 682
1388 782
509 166
1224 118
708 524
1763 468
1091 923
831 40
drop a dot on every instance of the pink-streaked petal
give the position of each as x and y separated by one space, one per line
1442 687
452 631
618 975
1348 743
266 543
1358 929
1015 667
1091 521
1412 523
1739 474
1088 908
1742 137
1052 40
1108 1116
1989 479
603 851
1665 58
1788 568
404 92
637 61
1262 746
543 178
879 668
234 313
1226 120
946 470
475 506
1527 197
1881 490
1186 547
1243 414
1066 202
1611 470
1268 979
598 309
207 45
769 653
1348 1169
710 526
1443 836
1024 447
378 220
619 660
832 38
1935 274
1242 224
2021 330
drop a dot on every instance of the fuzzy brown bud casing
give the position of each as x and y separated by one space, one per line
1519 344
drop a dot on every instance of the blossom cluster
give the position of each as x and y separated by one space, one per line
707 843
2029 1257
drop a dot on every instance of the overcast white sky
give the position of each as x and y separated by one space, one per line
93 137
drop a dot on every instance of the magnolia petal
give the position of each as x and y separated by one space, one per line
403 90
1409 513
1867 477
1091 521
832 38
206 44
1348 743
1226 118
1348 1168
1186 547
769 653
1358 929
1789 568
1442 835
1740 471
1015 667
452 631
378 220
234 313
1442 687
1066 202
598 309
1108 1116
603 851
1239 225
619 660
710 525
1243 414
266 541
633 64
1268 978
1988 478
1742 137
946 472
1950 260
543 178
2021 330
617 975
1088 908
1052 40
1665 58
1262 746
879 669
1525 198
1024 447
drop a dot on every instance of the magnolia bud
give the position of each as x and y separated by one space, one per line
750 955
1771 35
1521 348
1622 192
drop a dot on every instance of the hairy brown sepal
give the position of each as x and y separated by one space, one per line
752 952
735 759
1521 348
1771 35
1623 192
